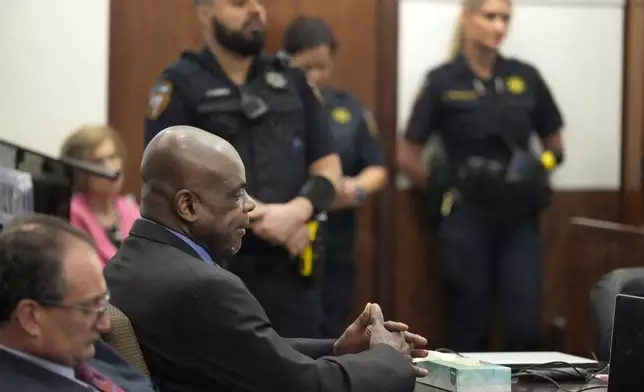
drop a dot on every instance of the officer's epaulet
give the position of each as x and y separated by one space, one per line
278 60
517 65
339 94
283 59
188 64
187 55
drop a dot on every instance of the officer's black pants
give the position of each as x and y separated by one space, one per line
482 258
338 290
293 305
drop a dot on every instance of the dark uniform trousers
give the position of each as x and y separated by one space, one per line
291 302
480 252
339 285
265 121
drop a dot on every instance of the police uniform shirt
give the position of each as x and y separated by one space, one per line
168 107
277 149
477 117
354 132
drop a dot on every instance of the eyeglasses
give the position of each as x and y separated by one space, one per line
85 308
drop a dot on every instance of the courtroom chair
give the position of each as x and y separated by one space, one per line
628 281
123 339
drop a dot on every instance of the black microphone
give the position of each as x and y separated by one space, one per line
90 168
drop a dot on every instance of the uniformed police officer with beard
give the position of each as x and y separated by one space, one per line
277 121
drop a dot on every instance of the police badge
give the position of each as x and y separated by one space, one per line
275 80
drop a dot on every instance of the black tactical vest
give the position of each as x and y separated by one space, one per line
271 146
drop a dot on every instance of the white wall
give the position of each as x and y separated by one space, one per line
54 69
578 47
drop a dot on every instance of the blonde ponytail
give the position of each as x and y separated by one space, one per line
457 40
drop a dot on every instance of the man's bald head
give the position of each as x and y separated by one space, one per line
177 154
188 175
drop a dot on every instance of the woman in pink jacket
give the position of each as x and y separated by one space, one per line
97 205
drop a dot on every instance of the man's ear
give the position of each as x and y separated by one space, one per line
186 205
204 14
28 317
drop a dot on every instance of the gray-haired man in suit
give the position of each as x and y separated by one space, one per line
52 312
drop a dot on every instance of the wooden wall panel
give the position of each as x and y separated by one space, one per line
145 37
354 25
633 132
386 264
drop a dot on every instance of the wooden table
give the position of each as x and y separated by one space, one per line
533 387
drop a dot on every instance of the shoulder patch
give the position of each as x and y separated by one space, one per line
341 115
283 59
370 120
159 99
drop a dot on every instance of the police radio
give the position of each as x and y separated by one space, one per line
311 261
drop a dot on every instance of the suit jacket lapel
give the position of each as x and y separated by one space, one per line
49 380
152 231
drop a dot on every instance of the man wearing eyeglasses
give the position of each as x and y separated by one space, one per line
53 300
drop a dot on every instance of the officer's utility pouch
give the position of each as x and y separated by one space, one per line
527 180
311 262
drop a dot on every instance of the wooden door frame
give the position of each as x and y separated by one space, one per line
633 114
386 34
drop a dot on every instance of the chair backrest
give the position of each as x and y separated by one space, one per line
123 339
602 304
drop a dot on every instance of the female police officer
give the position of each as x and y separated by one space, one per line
312 46
485 107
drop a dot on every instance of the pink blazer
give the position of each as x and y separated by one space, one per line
81 217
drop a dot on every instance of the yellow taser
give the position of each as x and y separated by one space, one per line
306 263
312 252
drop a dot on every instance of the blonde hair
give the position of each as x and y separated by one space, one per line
82 143
459 30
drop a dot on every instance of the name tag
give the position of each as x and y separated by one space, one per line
461 95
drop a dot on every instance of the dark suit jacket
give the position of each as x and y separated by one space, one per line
200 329
18 374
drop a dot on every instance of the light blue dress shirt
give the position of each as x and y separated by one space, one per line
203 254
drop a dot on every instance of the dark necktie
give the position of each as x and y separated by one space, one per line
92 377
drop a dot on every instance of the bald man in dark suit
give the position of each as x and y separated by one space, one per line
199 327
